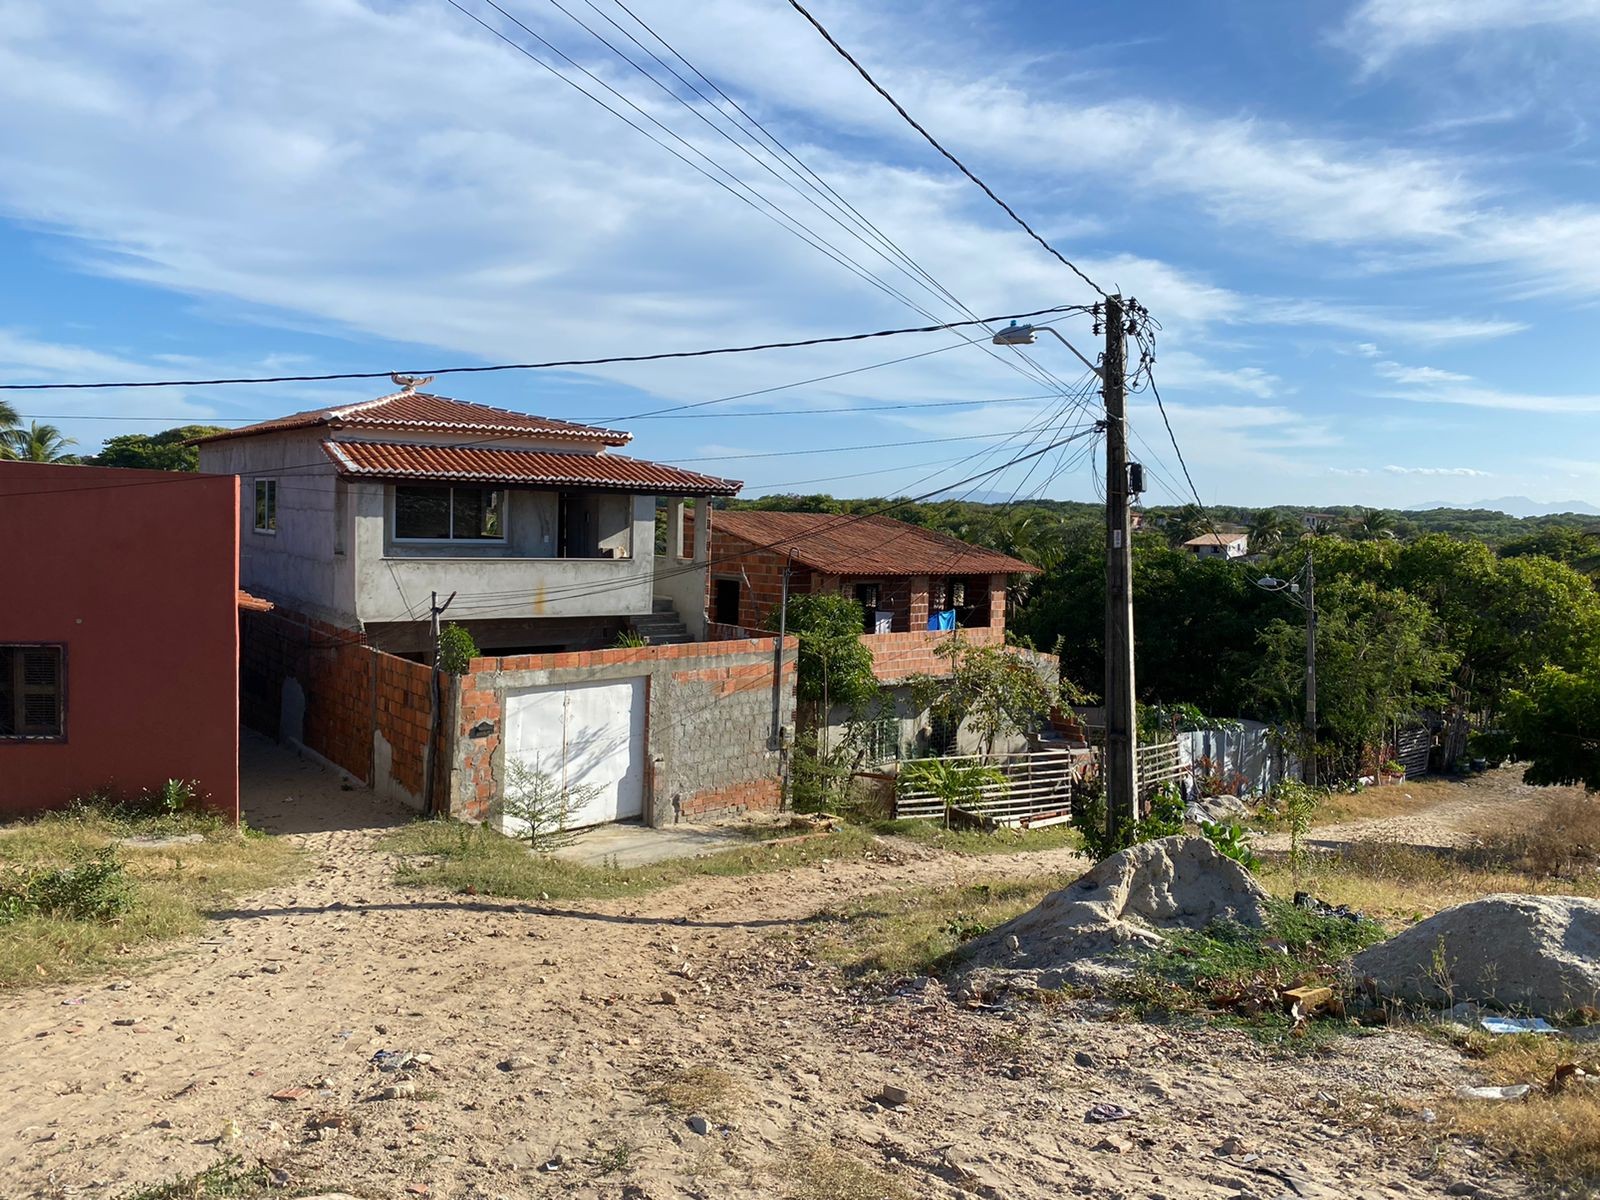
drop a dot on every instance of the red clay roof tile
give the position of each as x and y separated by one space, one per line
876 545
612 472
421 410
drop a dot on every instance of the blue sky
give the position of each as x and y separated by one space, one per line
1368 229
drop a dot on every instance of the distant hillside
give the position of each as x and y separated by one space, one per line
1519 506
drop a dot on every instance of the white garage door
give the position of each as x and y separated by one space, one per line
588 735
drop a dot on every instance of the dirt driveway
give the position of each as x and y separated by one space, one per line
548 1037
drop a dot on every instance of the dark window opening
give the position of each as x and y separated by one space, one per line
437 513
942 735
32 690
725 602
867 597
266 506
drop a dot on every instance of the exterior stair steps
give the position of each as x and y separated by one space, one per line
663 627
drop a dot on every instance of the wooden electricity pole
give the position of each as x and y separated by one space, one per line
1122 737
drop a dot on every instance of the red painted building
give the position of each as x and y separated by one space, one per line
119 634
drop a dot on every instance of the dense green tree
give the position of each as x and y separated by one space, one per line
996 691
36 443
1575 545
834 666
1556 721
1372 523
1380 658
164 451
9 419
1270 529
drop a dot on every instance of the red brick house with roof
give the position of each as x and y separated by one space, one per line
917 588
357 515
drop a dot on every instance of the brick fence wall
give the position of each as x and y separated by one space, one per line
896 657
708 728
325 689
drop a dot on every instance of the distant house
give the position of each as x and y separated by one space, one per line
917 589
357 515
1219 545
1318 522
119 637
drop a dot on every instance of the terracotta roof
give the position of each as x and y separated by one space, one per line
845 545
447 464
1217 539
420 410
253 603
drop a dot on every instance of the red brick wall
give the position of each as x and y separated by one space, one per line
896 657
333 668
402 716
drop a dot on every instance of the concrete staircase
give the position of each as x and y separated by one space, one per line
663 627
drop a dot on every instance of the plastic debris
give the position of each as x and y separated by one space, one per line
1515 1091
1516 1025
1102 1114
1321 908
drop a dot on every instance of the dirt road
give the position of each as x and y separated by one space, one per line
548 1038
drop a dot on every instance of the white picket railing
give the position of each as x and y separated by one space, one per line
1038 790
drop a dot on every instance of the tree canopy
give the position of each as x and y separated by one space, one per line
834 666
164 451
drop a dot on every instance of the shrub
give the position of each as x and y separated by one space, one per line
956 784
456 649
538 809
1164 818
93 888
630 639
1231 839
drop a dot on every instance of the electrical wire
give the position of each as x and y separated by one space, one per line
549 364
934 142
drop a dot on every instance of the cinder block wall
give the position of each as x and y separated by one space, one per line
708 728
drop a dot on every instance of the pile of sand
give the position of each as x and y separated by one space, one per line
1083 933
1539 954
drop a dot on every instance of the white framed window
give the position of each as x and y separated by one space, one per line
266 506
440 513
33 691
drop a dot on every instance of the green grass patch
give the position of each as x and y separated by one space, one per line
921 930
76 900
476 859
1232 975
227 1180
980 842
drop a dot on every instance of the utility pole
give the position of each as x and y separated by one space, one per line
1121 771
435 609
1310 771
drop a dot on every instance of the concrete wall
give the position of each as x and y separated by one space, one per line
394 579
708 729
680 573
135 573
297 564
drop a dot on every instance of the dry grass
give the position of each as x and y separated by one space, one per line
920 929
709 1091
1554 1133
1390 800
170 890
1396 883
1564 839
813 1171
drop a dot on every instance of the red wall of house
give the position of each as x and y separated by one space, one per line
136 573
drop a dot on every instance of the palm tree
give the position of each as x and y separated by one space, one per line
1269 530
1371 524
8 418
37 443
1188 522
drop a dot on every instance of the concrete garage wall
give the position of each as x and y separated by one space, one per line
707 731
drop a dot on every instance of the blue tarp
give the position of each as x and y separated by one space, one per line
942 620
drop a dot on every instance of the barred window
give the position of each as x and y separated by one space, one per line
32 691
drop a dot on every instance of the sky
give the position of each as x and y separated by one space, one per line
1368 230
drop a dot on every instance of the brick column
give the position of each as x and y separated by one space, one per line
997 602
919 602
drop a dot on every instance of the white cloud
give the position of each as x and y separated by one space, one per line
1349 471
1437 471
1381 30
1401 373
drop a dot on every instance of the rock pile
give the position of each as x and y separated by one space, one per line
1082 934
1539 954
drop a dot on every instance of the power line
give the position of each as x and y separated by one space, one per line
934 142
541 366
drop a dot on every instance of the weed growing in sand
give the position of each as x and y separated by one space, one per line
76 899
710 1091
230 1179
819 1172
614 1159
477 860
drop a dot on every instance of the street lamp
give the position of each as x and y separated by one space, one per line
1290 589
1025 335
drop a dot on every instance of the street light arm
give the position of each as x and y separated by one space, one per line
1052 329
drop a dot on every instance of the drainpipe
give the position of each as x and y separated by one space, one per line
434 610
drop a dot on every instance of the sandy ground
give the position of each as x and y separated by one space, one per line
293 993
1473 807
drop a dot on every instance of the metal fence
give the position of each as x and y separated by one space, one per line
1038 790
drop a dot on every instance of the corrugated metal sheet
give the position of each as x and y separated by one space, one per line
876 545
445 464
421 410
